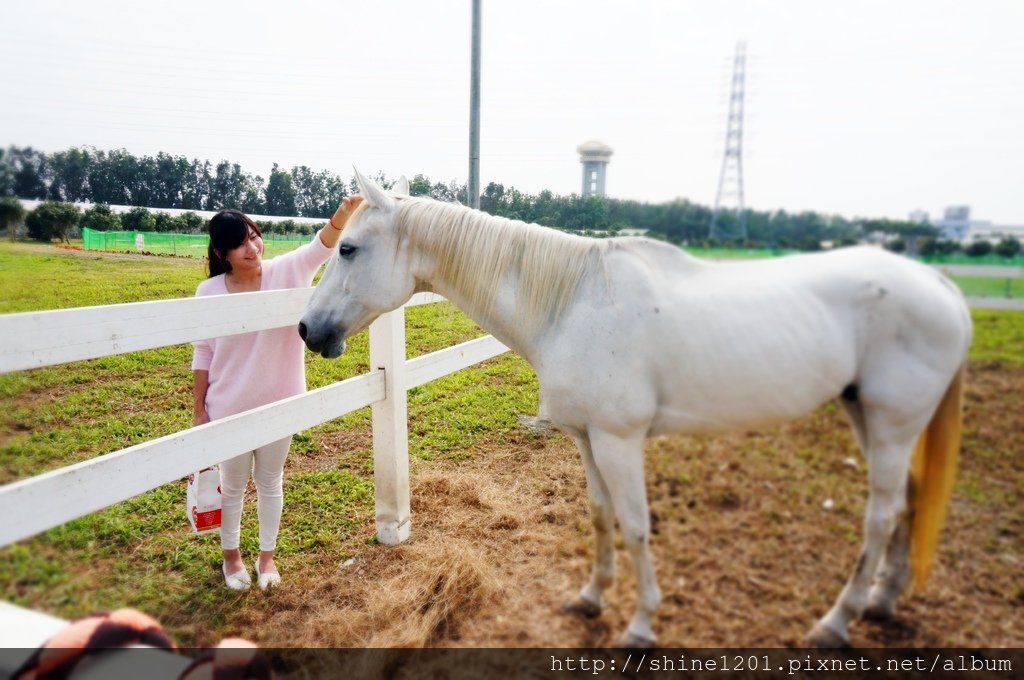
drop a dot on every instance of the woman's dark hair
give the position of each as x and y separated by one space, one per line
228 230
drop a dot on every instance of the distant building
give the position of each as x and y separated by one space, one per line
956 225
955 222
995 232
957 213
594 157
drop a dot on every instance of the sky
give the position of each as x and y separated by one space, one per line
859 108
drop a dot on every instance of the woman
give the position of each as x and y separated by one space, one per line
240 372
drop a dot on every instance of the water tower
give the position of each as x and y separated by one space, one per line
594 157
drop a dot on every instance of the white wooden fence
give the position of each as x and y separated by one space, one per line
36 339
988 271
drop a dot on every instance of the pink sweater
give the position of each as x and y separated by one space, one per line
255 369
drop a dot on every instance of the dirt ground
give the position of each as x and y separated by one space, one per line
747 551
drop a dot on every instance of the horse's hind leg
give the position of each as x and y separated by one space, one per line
855 412
888 466
894 575
588 602
620 462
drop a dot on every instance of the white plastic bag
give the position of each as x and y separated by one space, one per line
202 500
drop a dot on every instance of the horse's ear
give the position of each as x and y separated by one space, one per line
372 193
401 186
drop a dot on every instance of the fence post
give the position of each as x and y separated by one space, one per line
390 429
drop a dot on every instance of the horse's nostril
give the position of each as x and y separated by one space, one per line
302 330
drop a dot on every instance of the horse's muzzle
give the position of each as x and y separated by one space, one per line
327 341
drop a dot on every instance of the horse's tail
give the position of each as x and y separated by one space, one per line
932 473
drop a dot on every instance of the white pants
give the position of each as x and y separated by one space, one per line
266 465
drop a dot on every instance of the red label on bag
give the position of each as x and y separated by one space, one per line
205 520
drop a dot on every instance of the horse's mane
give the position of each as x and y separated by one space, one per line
475 252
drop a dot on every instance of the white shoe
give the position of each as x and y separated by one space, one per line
266 580
238 581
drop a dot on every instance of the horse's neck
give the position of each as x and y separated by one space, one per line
491 295
497 315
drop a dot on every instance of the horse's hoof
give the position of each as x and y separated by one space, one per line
823 637
631 641
582 607
880 612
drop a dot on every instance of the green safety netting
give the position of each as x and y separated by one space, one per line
183 245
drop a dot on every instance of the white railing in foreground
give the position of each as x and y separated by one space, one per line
986 271
37 339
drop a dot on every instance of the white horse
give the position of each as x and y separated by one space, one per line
631 338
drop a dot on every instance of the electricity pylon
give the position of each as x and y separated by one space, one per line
730 180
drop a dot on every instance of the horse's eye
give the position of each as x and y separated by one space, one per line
346 251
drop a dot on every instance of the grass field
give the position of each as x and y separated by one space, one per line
496 510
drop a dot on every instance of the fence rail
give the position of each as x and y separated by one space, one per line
1014 304
986 270
36 339
47 338
29 504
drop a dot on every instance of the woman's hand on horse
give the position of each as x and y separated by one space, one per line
345 210
330 234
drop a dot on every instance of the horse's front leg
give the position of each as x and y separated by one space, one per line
620 462
588 602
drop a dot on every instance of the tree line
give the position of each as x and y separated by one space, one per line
166 181
58 220
89 175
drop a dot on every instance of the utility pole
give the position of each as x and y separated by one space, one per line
730 180
473 185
